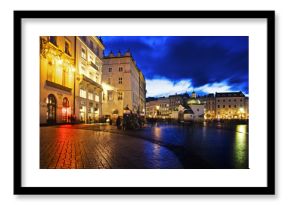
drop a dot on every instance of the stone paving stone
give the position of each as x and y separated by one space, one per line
68 148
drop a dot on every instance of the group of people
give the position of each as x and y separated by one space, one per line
130 121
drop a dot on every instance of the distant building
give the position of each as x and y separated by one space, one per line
152 109
123 84
165 107
226 105
176 100
196 106
210 106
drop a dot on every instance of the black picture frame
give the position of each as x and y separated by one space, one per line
19 189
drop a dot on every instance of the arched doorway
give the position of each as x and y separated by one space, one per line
51 109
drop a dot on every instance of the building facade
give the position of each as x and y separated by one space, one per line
57 70
226 105
88 88
176 100
197 107
124 85
165 107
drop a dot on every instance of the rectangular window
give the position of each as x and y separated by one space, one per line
91 59
120 80
52 39
110 95
84 53
109 81
218 106
110 69
90 96
120 69
120 96
97 98
67 48
83 93
229 106
224 106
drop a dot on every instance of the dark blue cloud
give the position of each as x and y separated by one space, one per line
202 59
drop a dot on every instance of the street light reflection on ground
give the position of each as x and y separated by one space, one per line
240 146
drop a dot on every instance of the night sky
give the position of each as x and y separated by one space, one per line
178 64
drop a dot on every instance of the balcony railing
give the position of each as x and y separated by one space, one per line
94 66
85 78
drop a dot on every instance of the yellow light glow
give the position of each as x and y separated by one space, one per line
241 110
107 86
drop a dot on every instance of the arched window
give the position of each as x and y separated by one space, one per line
51 109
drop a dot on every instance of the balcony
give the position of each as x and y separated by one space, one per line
94 66
85 78
58 86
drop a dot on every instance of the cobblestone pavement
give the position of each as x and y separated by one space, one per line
64 147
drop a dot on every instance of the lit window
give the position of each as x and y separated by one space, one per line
120 96
83 93
84 53
120 69
110 69
91 59
120 80
110 95
97 98
90 96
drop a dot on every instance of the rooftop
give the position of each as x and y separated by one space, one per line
230 94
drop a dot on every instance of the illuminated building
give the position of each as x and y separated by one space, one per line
153 109
164 107
124 85
196 106
56 78
176 100
226 105
88 88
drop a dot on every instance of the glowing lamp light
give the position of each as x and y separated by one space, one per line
72 69
60 61
241 110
